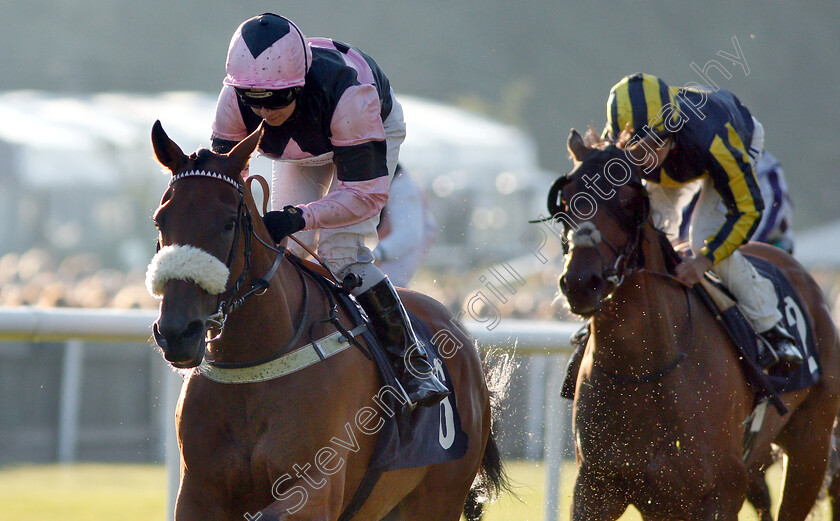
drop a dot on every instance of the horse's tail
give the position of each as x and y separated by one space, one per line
492 480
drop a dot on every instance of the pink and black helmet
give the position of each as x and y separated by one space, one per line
267 52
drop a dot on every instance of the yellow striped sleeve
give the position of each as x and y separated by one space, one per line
741 195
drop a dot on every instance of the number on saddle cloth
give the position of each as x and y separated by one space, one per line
779 378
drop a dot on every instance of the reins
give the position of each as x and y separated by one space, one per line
261 284
264 185
641 270
258 286
302 321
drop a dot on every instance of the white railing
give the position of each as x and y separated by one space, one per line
76 326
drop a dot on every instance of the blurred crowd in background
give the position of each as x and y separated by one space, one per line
36 278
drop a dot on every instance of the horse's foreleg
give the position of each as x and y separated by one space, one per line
806 460
595 498
834 495
312 497
198 501
758 494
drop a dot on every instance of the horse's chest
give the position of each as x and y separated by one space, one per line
641 446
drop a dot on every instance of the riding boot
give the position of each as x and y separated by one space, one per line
578 341
783 347
408 356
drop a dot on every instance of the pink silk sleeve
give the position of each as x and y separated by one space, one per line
228 123
352 203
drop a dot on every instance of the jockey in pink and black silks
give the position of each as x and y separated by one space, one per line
333 129
341 104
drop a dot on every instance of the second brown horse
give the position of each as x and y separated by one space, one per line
661 399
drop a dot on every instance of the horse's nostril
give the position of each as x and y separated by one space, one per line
194 328
594 282
160 339
563 286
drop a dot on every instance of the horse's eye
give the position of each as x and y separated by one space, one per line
231 224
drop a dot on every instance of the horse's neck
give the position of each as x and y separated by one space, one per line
640 325
266 322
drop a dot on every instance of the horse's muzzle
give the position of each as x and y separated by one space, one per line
583 292
182 347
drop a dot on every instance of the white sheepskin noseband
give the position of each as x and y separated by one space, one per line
186 263
586 235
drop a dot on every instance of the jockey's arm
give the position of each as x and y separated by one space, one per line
734 180
361 165
223 146
228 127
363 182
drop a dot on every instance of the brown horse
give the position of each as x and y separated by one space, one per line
661 399
294 444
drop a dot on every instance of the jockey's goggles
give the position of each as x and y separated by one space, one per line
268 99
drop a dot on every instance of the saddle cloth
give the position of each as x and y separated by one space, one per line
794 321
424 436
427 435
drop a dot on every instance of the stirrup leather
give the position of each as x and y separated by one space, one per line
392 325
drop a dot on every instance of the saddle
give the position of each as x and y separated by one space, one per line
779 379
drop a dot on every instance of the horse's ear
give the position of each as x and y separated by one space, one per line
241 153
577 147
167 152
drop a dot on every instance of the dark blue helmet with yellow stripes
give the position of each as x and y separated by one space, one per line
639 102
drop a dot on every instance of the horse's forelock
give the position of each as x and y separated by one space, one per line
202 154
595 164
597 161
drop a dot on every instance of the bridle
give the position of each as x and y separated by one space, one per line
629 260
231 299
628 257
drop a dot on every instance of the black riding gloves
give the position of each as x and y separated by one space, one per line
284 222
